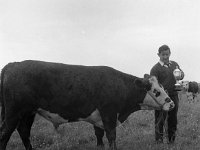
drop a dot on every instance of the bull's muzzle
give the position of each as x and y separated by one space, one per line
170 102
172 105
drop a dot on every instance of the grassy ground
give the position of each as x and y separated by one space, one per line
137 134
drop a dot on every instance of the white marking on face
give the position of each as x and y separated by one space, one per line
155 98
149 103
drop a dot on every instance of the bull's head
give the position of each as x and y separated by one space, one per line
156 97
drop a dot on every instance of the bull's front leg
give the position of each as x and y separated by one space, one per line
99 135
109 119
111 136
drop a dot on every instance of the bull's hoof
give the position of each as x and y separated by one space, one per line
100 146
113 146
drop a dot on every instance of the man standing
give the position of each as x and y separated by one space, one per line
163 70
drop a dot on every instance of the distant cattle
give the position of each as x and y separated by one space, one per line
192 89
64 93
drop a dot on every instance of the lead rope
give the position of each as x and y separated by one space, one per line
161 116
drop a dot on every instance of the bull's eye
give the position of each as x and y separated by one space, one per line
157 93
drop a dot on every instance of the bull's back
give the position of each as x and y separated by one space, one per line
27 71
46 84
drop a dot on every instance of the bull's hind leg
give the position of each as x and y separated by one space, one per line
6 129
99 134
24 129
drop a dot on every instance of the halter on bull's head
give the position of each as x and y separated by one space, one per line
156 97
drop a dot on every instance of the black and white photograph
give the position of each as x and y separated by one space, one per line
99 74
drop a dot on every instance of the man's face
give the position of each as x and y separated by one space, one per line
164 56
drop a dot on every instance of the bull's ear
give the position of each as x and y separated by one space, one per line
139 83
143 83
146 76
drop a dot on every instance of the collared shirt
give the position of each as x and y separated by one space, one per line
165 65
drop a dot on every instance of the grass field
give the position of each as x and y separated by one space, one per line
137 133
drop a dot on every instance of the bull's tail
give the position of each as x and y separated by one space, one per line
2 96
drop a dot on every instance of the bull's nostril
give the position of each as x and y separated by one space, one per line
172 106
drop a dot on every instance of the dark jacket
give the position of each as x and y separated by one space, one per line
165 76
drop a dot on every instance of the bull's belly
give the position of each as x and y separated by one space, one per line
94 118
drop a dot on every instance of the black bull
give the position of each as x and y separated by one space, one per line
71 91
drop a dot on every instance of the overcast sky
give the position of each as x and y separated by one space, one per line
124 34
